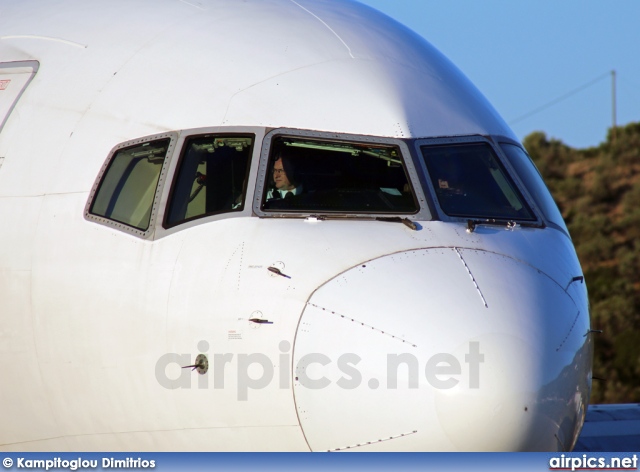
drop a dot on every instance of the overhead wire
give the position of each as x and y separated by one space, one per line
560 99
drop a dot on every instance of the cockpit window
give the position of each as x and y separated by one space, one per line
128 187
324 176
532 179
211 178
470 182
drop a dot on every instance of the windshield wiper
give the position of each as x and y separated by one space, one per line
511 225
396 219
322 217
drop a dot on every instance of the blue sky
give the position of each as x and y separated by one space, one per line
524 55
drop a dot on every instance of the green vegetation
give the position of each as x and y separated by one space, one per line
598 192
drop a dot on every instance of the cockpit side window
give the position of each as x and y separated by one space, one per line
128 187
470 182
325 176
211 178
532 179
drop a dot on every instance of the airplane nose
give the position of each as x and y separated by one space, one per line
441 349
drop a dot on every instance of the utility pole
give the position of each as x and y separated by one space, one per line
613 106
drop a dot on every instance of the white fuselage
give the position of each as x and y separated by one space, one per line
375 336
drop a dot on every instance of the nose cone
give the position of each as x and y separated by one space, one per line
441 349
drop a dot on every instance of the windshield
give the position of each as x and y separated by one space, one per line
324 176
470 182
211 177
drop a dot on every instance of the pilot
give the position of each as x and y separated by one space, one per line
285 184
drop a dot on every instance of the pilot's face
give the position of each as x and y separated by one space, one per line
280 177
